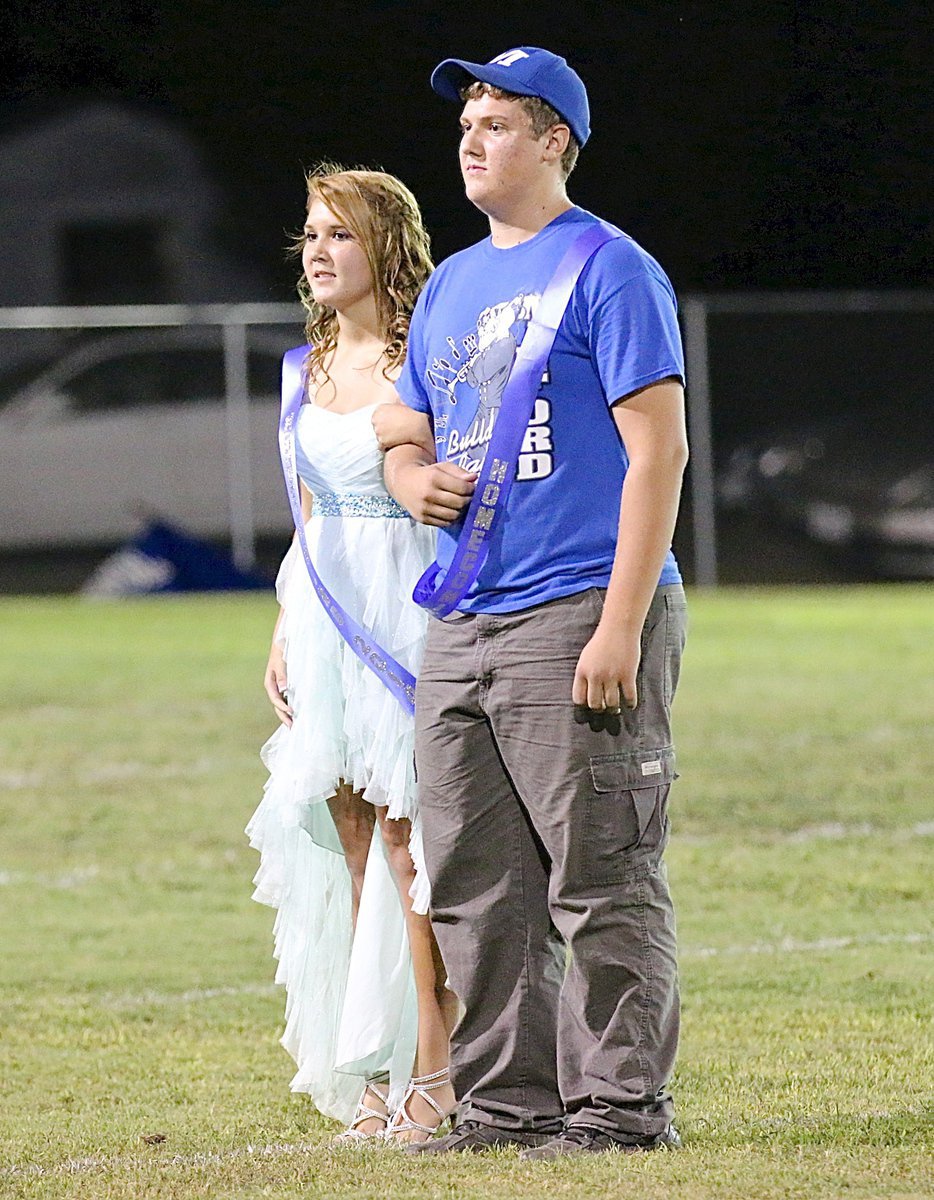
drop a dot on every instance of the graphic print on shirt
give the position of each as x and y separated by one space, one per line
469 385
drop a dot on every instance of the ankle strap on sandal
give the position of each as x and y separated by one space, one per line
435 1080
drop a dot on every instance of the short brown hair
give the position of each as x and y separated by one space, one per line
541 117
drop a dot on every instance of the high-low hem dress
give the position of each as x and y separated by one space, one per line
350 1007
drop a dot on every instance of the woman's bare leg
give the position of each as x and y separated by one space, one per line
354 818
437 1006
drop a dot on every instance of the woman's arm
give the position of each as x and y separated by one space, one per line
397 424
275 679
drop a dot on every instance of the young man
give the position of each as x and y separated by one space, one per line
543 741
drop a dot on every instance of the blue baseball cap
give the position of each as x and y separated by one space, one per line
525 71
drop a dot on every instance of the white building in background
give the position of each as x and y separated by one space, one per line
104 203
107 203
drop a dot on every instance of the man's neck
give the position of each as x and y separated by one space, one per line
524 221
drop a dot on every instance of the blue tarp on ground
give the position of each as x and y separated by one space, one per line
163 558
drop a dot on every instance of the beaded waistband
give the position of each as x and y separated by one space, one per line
355 504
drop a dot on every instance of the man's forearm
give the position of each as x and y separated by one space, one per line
434 493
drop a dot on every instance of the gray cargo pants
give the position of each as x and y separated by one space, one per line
534 819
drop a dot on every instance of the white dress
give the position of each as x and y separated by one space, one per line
350 1007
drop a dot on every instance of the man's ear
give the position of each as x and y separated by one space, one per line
556 142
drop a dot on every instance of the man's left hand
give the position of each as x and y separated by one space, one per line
605 678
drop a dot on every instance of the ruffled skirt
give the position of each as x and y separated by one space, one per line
350 1008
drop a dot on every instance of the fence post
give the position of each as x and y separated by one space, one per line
703 486
239 446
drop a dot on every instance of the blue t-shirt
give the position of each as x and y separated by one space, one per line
619 333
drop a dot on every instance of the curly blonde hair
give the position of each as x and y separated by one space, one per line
381 212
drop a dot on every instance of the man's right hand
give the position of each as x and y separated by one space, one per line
434 493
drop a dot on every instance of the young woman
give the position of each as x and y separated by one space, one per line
367 1012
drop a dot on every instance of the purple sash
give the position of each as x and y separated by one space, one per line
399 681
499 464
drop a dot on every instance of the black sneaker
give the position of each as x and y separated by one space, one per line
473 1137
587 1139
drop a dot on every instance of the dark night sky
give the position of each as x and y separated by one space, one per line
767 144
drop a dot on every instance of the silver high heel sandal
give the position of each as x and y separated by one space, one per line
378 1087
401 1120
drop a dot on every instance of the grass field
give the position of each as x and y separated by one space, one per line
138 1046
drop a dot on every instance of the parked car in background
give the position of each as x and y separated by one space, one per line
132 423
862 486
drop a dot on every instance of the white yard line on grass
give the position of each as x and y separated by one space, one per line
67 880
791 945
828 831
103 772
80 876
190 996
835 831
127 1001
100 1163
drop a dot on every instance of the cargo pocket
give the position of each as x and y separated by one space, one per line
625 824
